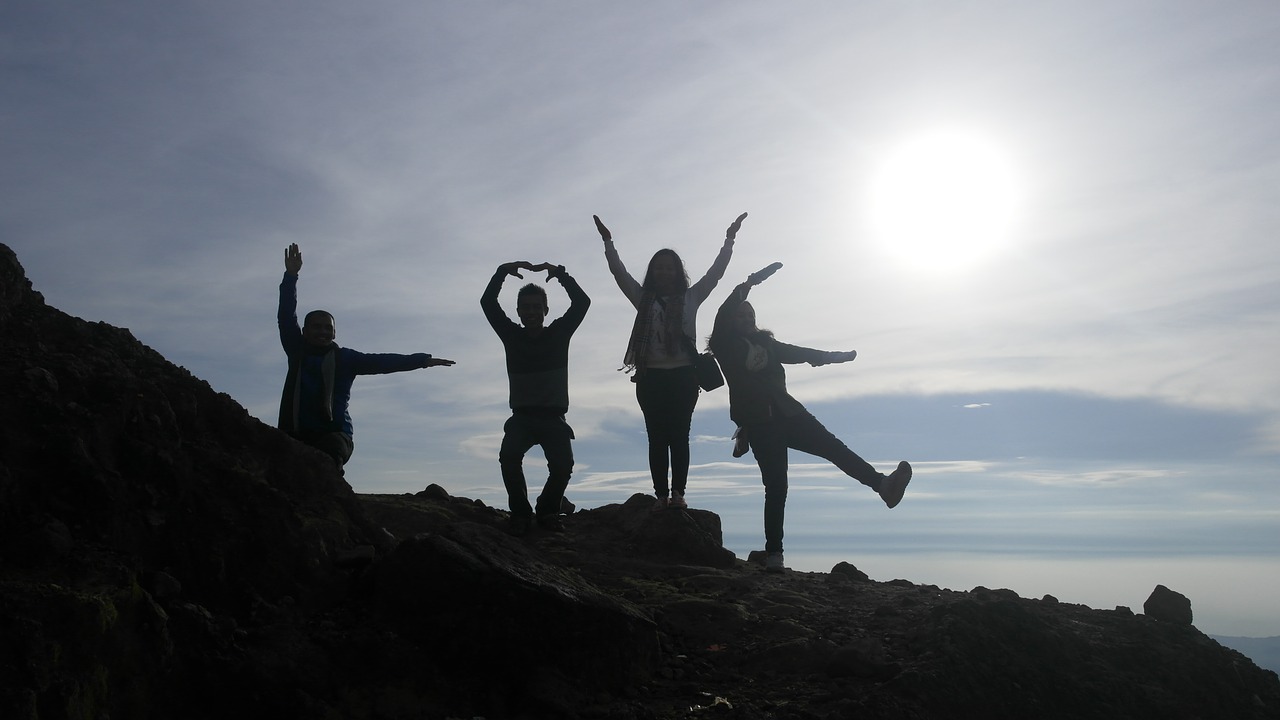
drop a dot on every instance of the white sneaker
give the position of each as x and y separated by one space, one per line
773 563
660 505
893 487
677 501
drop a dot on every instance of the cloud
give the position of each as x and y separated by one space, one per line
159 157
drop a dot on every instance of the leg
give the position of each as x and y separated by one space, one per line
518 437
668 398
337 445
769 446
806 434
650 399
683 396
555 436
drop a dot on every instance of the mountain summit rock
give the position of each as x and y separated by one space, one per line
163 554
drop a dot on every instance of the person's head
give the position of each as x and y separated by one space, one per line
531 305
319 328
666 274
744 320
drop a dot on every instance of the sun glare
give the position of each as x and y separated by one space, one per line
944 201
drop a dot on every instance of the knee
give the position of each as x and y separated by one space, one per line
560 466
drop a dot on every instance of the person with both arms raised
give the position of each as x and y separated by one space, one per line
661 352
314 406
538 378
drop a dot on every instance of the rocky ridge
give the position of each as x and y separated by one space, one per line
163 554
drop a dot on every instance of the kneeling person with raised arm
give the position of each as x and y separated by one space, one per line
317 388
538 378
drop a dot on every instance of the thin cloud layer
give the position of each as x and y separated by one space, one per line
159 157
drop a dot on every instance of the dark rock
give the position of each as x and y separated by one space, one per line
163 554
864 658
1169 606
473 576
845 570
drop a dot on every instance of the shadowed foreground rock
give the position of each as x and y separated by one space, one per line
165 555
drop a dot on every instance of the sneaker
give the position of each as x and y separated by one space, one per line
661 504
519 525
773 563
740 444
551 523
892 487
677 501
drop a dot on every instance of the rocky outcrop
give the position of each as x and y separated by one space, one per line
1168 606
163 554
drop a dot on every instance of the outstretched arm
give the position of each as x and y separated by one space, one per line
383 363
795 354
832 357
724 316
703 287
629 286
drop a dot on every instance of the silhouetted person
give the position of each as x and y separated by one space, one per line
660 352
317 389
773 421
538 378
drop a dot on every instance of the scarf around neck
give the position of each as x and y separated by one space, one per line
328 365
641 332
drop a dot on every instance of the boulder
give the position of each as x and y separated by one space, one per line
1166 605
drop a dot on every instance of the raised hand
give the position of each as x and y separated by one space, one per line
292 259
552 270
760 276
514 268
732 232
605 235
437 362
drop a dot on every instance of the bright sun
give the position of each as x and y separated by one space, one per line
944 201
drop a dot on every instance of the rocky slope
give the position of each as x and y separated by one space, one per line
165 555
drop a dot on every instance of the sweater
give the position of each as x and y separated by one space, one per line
537 365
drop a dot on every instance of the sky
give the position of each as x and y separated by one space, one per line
1047 228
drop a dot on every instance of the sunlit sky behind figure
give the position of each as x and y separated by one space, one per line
1047 229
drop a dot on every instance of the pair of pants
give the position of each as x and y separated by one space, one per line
769 443
667 399
521 432
338 445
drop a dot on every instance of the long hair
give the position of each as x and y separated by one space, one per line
648 273
732 330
